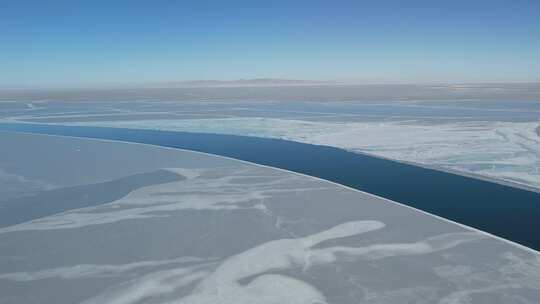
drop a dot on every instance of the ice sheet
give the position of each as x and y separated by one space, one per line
489 130
508 151
232 232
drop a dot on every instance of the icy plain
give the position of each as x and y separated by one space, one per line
196 228
490 131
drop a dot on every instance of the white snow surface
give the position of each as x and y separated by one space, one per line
507 151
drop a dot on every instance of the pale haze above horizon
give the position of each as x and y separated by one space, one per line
84 43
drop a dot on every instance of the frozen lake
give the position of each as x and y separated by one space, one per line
125 223
505 211
481 130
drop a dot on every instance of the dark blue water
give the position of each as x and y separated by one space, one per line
505 211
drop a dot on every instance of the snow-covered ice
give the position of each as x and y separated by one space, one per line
234 232
486 131
508 151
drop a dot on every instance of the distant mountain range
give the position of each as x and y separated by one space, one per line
244 82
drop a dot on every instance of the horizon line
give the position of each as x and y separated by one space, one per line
250 82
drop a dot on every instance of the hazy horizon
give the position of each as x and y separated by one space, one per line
256 82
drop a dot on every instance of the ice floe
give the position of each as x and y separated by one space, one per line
508 151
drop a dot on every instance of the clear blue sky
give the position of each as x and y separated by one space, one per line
48 42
